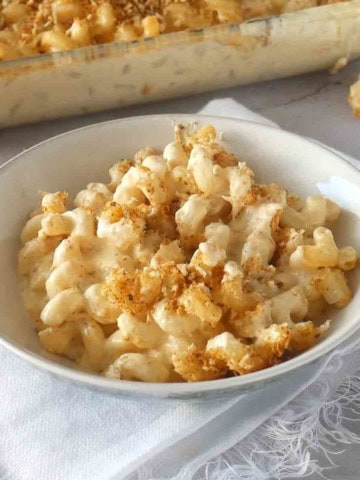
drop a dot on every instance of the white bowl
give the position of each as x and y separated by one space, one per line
70 161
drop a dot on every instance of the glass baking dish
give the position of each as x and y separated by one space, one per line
176 64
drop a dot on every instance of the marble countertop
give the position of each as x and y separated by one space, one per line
312 105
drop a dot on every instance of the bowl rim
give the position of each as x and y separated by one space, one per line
180 389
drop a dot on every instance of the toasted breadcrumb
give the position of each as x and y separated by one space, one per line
197 366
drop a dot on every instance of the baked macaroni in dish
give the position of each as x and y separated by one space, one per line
31 27
182 268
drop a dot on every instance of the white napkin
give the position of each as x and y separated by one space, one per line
54 430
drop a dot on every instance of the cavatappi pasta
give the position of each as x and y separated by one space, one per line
182 267
32 27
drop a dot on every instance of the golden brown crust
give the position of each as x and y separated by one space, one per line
197 366
231 294
266 351
127 290
197 301
114 212
303 336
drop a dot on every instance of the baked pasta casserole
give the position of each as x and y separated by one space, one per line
32 27
182 268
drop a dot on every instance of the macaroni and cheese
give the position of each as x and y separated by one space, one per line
182 268
31 27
